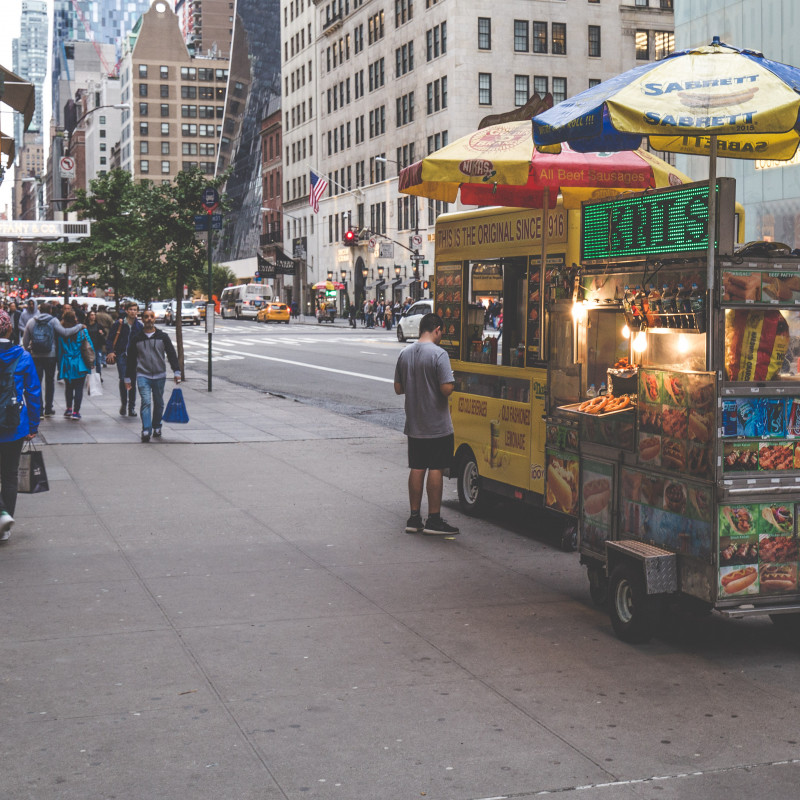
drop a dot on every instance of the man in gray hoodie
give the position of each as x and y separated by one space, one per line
39 338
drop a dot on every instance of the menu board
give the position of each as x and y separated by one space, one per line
448 306
760 286
597 482
676 421
673 514
771 426
533 335
758 549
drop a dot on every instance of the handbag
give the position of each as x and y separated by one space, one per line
176 408
32 476
95 385
87 351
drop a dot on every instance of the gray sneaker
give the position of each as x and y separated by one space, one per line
438 527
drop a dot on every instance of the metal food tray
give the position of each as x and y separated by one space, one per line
573 409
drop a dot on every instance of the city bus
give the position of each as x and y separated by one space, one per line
244 301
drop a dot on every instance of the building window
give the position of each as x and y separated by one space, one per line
437 95
539 37
663 44
404 59
164 90
594 82
666 5
559 39
594 41
142 109
540 85
165 128
164 148
188 92
521 36
521 87
485 88
559 90
164 72
375 28
188 74
102 120
642 3
484 33
144 147
164 109
165 167
405 109
436 41
143 71
142 129
144 165
142 90
103 160
642 45
403 12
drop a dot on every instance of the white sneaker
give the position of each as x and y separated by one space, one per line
6 523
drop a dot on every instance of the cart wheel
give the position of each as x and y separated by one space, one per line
598 586
471 496
400 336
629 606
569 538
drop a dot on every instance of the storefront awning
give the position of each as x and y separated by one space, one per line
17 93
7 147
372 285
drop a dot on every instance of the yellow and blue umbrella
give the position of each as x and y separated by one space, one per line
748 102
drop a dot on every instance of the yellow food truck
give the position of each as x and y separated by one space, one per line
499 403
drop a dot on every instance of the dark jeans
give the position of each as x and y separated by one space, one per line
73 389
46 365
126 398
9 467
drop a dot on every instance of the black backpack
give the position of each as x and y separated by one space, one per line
10 407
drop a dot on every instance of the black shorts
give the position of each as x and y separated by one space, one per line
430 453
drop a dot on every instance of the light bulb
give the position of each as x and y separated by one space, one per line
626 332
683 343
640 342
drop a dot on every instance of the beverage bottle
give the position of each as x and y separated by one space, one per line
640 304
591 391
697 302
684 307
653 307
631 311
602 389
667 307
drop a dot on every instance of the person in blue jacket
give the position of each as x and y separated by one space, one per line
29 394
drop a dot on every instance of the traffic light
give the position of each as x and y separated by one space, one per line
350 238
425 286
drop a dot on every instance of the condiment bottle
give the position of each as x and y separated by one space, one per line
653 308
667 307
591 391
684 307
697 301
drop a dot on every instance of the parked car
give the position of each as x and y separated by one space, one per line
159 309
190 315
408 324
273 312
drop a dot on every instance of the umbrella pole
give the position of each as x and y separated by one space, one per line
712 230
544 334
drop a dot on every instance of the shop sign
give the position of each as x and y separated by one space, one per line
662 221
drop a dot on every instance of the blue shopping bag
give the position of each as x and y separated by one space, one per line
176 408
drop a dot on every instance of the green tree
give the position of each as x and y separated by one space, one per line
221 277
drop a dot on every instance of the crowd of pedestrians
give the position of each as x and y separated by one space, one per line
379 313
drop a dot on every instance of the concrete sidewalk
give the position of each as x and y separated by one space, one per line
235 613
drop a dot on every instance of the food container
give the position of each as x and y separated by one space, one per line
623 381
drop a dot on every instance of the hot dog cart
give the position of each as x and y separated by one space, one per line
691 490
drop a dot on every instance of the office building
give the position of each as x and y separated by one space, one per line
396 81
769 190
207 26
29 55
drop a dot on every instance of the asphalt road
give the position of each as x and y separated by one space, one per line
348 371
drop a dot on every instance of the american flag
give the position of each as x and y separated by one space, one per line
318 187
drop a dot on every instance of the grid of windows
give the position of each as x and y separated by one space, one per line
404 59
594 41
437 140
485 88
521 31
484 33
376 74
521 89
377 122
403 12
437 95
375 28
405 109
436 41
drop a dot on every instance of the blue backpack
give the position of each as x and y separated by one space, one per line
42 338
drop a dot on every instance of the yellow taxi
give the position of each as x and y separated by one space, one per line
273 312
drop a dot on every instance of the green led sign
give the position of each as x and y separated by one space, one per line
669 221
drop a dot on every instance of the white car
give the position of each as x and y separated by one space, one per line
408 324
160 310
190 315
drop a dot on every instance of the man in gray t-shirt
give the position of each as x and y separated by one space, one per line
423 374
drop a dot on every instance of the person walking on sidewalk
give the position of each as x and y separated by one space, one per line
98 336
146 352
424 375
39 339
119 338
20 407
72 367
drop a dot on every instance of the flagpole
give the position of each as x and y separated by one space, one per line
338 185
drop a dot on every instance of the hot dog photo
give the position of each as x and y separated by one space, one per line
562 484
738 580
596 491
777 578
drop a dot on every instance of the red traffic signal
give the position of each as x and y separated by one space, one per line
350 238
426 285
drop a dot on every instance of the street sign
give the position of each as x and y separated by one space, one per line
416 240
386 250
201 222
418 257
67 167
210 198
216 222
372 242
